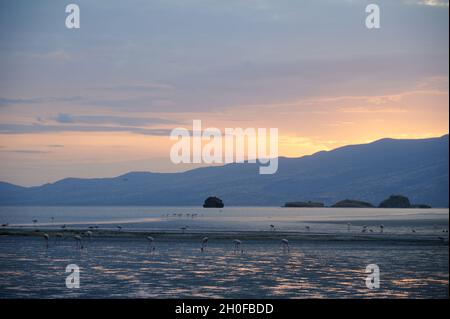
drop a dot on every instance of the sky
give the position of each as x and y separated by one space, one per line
101 100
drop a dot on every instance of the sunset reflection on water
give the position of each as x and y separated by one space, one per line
113 267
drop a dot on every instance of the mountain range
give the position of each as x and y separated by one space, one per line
417 168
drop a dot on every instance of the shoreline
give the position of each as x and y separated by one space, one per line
229 235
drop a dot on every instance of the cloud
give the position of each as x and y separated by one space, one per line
25 151
37 100
58 55
434 3
65 118
39 128
134 87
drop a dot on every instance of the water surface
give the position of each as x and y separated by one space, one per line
123 267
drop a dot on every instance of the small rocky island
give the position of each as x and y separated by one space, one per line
420 206
213 202
394 201
352 203
304 204
399 201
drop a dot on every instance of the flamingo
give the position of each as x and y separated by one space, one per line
78 241
151 242
46 237
204 243
237 244
285 244
58 235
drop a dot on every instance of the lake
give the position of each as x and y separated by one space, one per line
329 249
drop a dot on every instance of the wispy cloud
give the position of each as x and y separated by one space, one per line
110 119
25 151
55 145
134 87
37 100
57 55
40 128
434 3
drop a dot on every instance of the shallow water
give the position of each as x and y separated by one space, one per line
328 220
118 267
124 267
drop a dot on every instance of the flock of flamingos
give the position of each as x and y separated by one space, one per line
204 241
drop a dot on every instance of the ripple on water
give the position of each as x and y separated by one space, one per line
125 268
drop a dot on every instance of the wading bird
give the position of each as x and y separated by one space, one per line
46 237
151 243
237 244
285 244
204 243
58 235
78 241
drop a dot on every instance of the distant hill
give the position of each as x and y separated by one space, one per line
368 172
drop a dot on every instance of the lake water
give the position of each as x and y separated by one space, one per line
329 250
423 221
